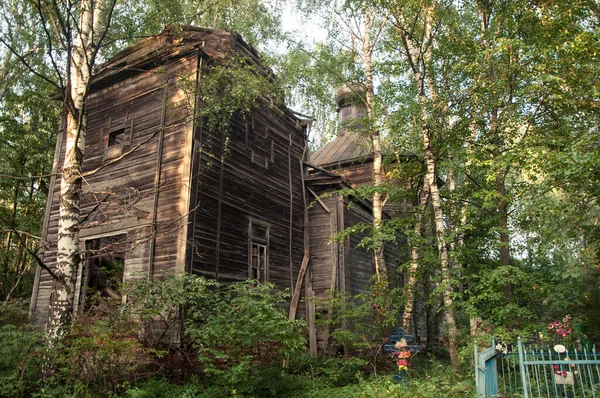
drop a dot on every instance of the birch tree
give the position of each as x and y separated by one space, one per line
415 25
414 241
355 27
84 26
73 34
378 197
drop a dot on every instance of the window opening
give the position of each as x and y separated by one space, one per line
259 262
116 137
104 271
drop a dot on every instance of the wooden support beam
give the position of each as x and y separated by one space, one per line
319 200
296 295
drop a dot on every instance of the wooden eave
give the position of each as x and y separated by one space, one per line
321 180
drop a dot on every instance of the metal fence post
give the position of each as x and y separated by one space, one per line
476 361
523 369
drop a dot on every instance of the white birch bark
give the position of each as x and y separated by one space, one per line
93 20
411 283
419 58
377 201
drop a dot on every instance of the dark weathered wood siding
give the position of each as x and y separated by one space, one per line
258 180
342 266
325 263
178 207
347 265
126 195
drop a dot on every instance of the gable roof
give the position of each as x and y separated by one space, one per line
175 41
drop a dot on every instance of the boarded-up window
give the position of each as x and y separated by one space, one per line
258 247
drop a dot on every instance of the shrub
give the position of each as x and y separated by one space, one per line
102 353
329 371
362 325
240 332
244 336
20 359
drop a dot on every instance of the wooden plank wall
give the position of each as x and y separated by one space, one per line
122 195
359 263
250 174
324 265
177 212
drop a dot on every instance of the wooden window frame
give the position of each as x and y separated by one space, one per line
258 249
115 150
258 262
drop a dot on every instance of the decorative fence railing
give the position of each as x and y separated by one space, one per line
535 371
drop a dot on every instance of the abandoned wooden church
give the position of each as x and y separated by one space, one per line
166 192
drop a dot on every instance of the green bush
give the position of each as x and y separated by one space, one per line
20 359
361 325
330 371
241 332
160 388
244 336
14 312
101 354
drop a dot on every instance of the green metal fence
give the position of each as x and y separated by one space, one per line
537 371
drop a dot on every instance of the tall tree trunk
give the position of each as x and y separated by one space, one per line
411 283
494 122
503 219
448 290
378 202
94 19
420 58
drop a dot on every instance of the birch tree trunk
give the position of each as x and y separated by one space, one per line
94 19
409 292
448 290
378 252
419 57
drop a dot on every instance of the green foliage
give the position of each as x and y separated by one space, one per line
240 332
330 371
100 354
28 123
244 335
361 325
157 304
159 388
257 21
234 87
20 359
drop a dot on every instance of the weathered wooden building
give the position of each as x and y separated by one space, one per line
166 191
